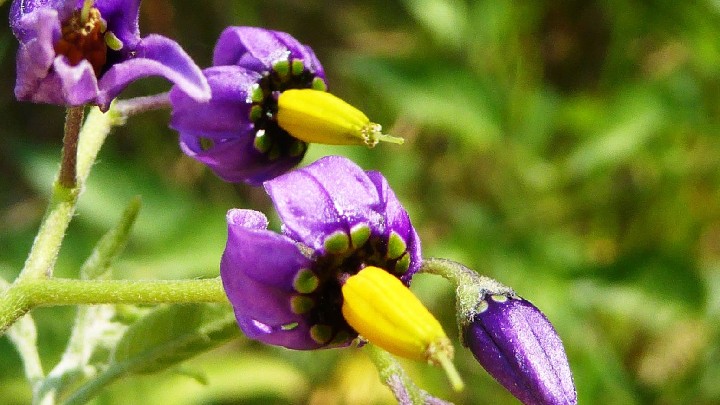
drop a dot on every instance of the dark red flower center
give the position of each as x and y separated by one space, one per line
84 39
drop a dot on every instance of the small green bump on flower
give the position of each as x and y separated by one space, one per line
262 142
403 264
396 245
301 304
206 143
256 113
499 298
256 94
289 326
297 148
274 153
282 68
319 84
112 41
341 337
305 281
321 333
482 306
359 235
337 242
297 67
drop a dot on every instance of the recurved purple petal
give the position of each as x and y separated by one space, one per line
233 157
519 347
227 111
331 194
257 270
397 220
155 55
20 10
259 49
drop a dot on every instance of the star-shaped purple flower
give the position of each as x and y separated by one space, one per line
236 134
337 219
74 52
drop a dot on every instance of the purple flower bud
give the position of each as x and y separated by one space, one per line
237 134
519 347
337 219
73 52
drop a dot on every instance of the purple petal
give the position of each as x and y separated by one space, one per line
225 120
253 48
258 49
122 19
519 347
397 220
43 77
19 10
155 56
329 195
257 269
227 111
79 85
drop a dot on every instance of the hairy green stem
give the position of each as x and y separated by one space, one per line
470 287
25 295
137 105
43 254
394 377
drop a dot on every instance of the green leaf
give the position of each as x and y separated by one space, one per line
163 338
172 334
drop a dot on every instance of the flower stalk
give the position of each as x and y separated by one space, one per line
41 260
25 295
394 377
68 166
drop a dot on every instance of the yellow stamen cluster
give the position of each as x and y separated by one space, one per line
320 117
385 312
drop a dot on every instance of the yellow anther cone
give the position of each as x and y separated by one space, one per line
385 312
319 117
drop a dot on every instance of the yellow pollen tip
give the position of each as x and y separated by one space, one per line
385 312
320 117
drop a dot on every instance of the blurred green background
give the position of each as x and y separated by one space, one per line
569 149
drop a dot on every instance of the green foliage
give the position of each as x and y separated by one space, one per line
172 334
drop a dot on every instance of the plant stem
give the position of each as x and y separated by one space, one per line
25 295
137 105
43 254
395 378
470 287
68 166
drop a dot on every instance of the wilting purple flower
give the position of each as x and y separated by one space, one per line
236 134
337 219
72 53
519 347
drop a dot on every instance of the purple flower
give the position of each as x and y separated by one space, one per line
236 134
337 219
519 347
75 52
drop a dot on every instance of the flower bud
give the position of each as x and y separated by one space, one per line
319 117
519 347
